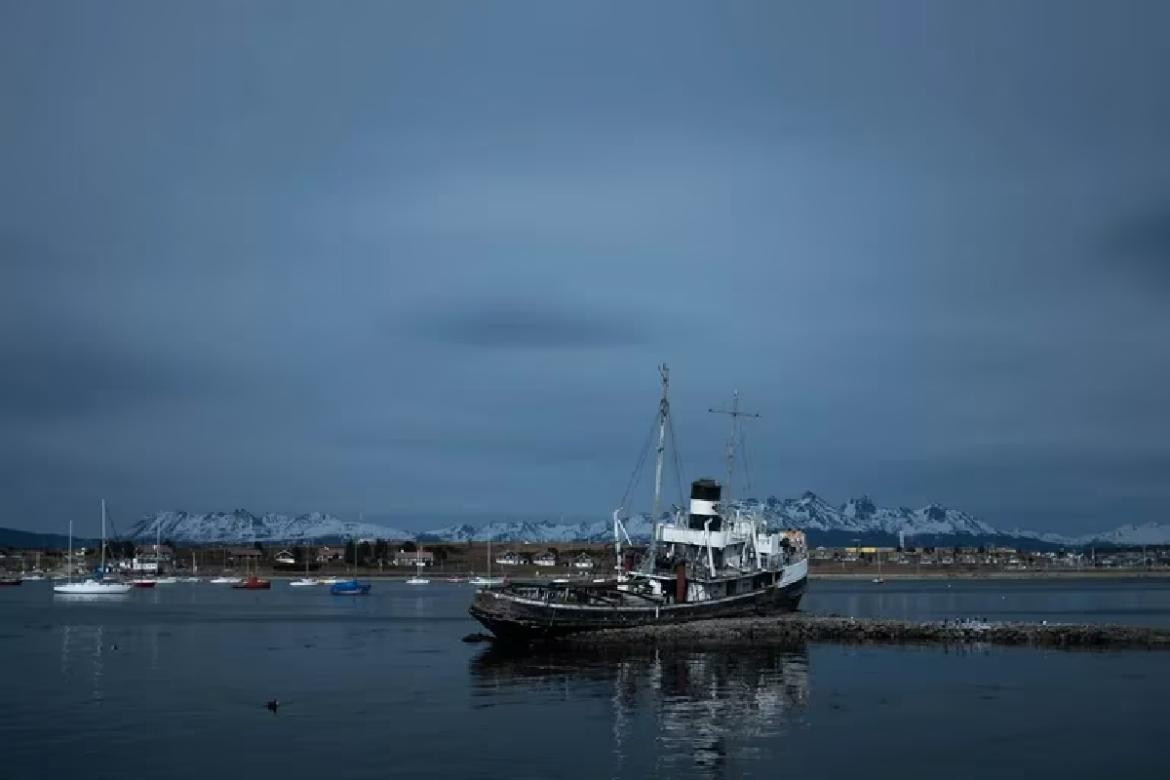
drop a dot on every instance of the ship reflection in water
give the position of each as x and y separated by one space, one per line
701 708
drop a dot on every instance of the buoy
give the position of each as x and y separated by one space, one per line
272 705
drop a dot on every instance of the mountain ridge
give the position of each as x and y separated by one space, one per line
858 518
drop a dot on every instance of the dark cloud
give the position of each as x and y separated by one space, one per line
882 223
513 324
65 380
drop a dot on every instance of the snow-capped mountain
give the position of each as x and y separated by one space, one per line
825 523
862 516
1132 535
243 526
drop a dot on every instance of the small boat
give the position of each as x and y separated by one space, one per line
418 579
350 588
190 579
144 582
456 579
224 580
252 582
489 580
305 581
10 582
97 586
330 580
166 580
878 581
36 574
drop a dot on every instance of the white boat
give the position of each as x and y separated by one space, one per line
94 587
418 579
190 579
330 580
306 581
166 580
224 580
489 579
36 574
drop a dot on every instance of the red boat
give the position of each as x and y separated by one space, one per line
144 583
253 583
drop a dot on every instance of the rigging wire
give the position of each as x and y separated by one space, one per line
747 472
634 477
678 470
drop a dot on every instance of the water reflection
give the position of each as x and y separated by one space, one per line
83 647
704 708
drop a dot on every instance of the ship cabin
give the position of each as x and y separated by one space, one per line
719 550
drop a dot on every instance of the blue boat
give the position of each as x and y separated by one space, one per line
350 588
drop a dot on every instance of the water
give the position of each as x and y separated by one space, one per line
172 682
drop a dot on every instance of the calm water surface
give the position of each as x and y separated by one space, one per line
170 683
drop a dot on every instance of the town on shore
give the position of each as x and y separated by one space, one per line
389 558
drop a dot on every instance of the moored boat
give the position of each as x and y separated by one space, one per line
10 582
350 588
98 586
252 582
716 559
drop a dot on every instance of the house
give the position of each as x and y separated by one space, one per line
583 561
548 558
285 558
414 557
148 558
510 558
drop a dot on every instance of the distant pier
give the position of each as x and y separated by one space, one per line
798 629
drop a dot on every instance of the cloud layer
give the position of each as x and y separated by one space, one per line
421 261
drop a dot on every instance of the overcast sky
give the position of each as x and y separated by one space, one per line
420 259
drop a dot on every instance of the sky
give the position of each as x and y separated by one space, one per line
420 260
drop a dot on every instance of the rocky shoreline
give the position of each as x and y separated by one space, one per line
801 629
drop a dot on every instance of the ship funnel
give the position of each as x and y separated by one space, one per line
705 495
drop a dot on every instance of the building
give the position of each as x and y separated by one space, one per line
510 558
285 558
583 561
548 558
414 557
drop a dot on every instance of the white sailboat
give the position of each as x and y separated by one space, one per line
305 581
418 579
97 586
488 580
36 574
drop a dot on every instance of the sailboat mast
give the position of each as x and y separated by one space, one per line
103 537
663 414
71 551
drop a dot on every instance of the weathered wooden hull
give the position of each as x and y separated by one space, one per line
513 618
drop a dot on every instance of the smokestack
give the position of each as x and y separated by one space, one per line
705 495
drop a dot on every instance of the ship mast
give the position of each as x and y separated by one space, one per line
734 413
663 414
